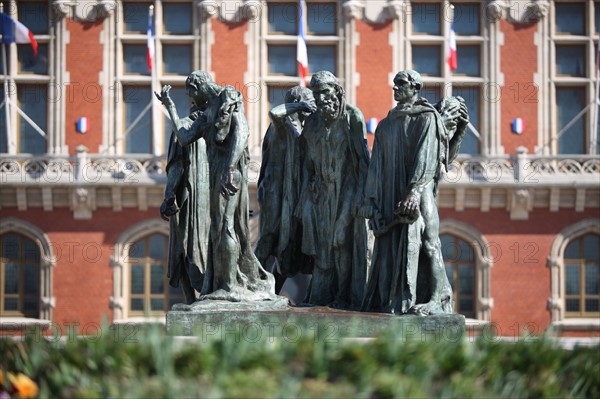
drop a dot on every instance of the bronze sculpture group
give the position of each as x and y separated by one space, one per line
318 187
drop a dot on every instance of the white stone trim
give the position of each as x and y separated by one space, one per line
47 259
490 80
556 302
120 265
54 81
483 264
115 78
22 323
583 324
547 79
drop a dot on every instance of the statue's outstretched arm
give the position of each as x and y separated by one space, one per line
280 112
186 133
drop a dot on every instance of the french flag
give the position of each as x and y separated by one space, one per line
15 32
518 126
150 50
301 52
452 59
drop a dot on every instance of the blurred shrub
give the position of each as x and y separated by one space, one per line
388 367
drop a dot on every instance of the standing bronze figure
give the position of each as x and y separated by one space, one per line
411 152
335 162
231 270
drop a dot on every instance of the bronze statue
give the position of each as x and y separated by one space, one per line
230 268
335 162
279 186
411 151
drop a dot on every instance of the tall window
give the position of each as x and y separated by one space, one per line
149 291
574 75
582 277
144 127
427 38
27 84
280 32
19 276
460 268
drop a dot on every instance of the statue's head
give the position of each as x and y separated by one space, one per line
299 94
329 95
407 85
200 86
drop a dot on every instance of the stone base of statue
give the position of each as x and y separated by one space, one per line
255 321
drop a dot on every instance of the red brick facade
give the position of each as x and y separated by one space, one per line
520 276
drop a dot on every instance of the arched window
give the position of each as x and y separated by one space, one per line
582 276
19 276
574 263
468 259
26 262
460 268
149 291
141 290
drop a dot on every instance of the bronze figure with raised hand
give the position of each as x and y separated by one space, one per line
230 268
278 186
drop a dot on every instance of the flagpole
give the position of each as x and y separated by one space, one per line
301 51
594 130
154 86
448 48
9 139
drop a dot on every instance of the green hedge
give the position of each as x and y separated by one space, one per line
388 367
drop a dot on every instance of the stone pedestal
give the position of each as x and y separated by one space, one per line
276 320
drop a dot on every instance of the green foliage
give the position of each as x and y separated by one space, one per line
158 366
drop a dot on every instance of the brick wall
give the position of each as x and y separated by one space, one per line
82 276
519 94
84 93
520 277
374 95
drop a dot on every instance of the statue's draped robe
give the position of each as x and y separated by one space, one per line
409 151
335 161
188 239
278 191
219 232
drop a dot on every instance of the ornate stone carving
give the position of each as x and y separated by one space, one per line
48 302
116 303
521 204
517 11
538 10
353 9
62 8
486 304
208 8
395 9
106 7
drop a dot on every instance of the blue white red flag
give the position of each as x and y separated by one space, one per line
301 52
518 126
82 125
150 51
15 32
452 59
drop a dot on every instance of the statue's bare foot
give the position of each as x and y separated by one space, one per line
222 295
426 309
